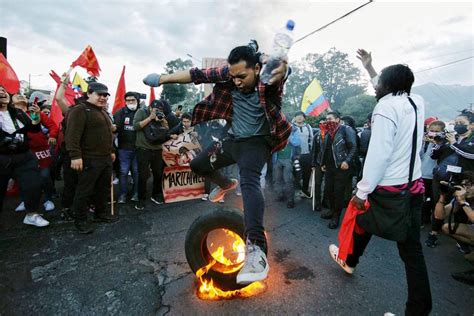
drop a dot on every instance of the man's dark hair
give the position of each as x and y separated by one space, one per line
467 114
136 95
186 116
397 79
245 53
335 114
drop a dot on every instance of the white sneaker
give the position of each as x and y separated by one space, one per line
222 201
334 252
205 197
389 314
218 193
21 207
35 220
49 206
256 265
116 181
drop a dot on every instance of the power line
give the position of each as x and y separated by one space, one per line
447 64
332 22
437 56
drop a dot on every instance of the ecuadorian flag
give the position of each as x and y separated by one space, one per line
78 84
314 102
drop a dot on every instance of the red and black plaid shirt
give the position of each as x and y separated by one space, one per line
218 105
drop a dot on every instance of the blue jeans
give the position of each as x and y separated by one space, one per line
128 161
250 155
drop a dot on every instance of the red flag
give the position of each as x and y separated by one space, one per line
8 78
56 113
88 61
120 94
152 95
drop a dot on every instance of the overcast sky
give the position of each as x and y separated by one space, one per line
144 35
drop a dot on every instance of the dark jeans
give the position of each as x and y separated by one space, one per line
410 251
334 189
24 169
250 155
147 159
93 186
128 161
70 177
305 162
46 184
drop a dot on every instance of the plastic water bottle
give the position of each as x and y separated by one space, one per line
281 45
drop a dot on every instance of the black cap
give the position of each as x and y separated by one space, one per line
97 87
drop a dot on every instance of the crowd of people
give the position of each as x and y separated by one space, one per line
333 163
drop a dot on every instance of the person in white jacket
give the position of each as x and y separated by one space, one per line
387 168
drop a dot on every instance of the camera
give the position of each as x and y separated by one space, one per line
448 188
142 96
439 137
160 115
12 143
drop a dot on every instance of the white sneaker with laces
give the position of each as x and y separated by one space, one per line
334 252
256 265
222 201
35 220
21 207
49 206
205 197
218 193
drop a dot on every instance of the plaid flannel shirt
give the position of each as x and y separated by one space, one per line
218 105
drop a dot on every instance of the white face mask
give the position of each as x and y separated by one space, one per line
132 107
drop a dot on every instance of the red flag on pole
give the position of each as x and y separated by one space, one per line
120 94
152 95
88 60
69 94
8 78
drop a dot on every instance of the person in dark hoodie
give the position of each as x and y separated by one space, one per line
152 125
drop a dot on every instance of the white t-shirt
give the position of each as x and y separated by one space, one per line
388 158
6 123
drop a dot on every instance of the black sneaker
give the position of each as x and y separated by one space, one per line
463 248
326 215
290 204
465 277
334 223
140 206
84 227
104 218
432 240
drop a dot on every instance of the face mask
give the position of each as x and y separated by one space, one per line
461 129
132 107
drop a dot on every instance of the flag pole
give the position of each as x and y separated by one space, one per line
112 194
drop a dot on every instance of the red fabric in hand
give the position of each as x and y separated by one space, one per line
348 226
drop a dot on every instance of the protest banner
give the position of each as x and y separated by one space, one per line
179 182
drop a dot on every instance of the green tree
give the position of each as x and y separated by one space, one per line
179 94
358 107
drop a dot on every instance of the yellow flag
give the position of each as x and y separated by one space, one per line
78 82
314 102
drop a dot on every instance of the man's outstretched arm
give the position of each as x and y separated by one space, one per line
366 59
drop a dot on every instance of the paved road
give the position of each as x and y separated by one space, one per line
137 266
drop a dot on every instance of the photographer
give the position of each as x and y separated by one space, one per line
152 125
16 161
456 149
459 214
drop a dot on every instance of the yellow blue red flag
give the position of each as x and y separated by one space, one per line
314 102
79 85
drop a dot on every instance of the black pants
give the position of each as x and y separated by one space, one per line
318 185
250 155
24 169
70 177
305 161
411 252
334 189
146 159
93 186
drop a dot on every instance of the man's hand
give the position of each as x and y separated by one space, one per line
344 166
52 141
358 203
278 74
152 80
35 108
152 115
365 58
451 138
65 78
174 136
76 164
114 128
460 194
113 157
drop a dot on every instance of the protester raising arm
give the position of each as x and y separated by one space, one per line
60 94
366 59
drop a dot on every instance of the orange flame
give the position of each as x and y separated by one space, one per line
207 289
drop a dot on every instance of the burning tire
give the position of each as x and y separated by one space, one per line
210 233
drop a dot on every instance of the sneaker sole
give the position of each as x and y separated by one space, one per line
346 268
32 224
248 278
220 196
